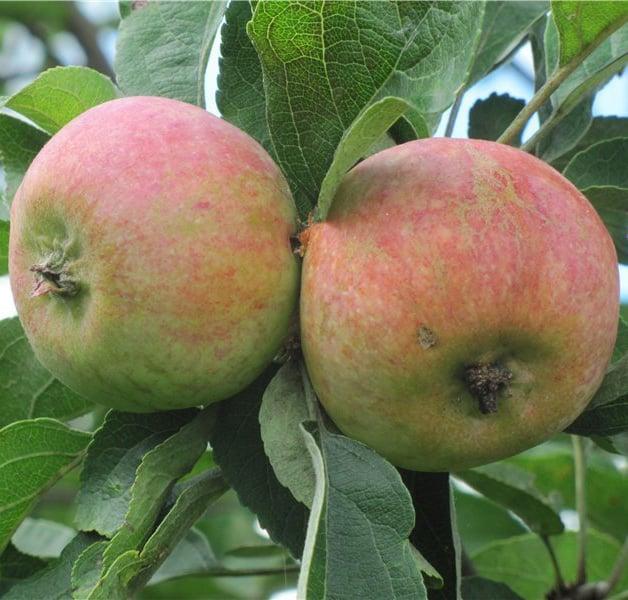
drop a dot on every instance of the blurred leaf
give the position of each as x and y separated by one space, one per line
514 489
53 582
15 566
163 49
33 455
239 451
191 555
42 538
481 522
607 486
53 13
19 144
283 409
262 551
602 164
4 246
323 68
112 460
490 117
357 540
504 26
480 588
435 534
59 95
601 129
617 444
159 470
523 564
368 127
28 390
582 24
240 96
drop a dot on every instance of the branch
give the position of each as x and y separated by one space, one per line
552 84
581 505
453 115
87 35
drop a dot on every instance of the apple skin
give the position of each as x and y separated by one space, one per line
173 228
442 254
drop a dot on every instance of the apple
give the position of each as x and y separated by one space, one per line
458 305
150 256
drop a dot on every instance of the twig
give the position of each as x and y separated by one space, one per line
453 115
618 568
581 505
224 572
551 85
560 582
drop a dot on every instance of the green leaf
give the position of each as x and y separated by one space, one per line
481 522
163 49
59 95
514 489
33 455
606 419
28 390
614 385
55 581
607 485
621 345
240 96
367 128
435 534
158 472
480 588
191 555
490 117
113 585
505 24
4 246
19 144
323 65
357 540
617 444
15 566
42 538
602 164
600 129
239 451
523 564
86 569
283 409
582 24
112 460
260 551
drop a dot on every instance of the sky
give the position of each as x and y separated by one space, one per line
514 79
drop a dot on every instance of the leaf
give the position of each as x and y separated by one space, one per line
480 588
481 521
357 541
514 489
240 96
602 164
4 246
54 582
614 385
324 64
435 533
600 129
60 94
606 419
19 144
159 470
163 49
283 409
607 485
112 460
86 569
28 390
191 555
42 538
367 128
113 585
617 444
239 451
582 24
523 564
504 26
490 117
261 551
33 455
621 345
15 566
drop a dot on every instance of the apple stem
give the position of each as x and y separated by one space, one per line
485 382
53 280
